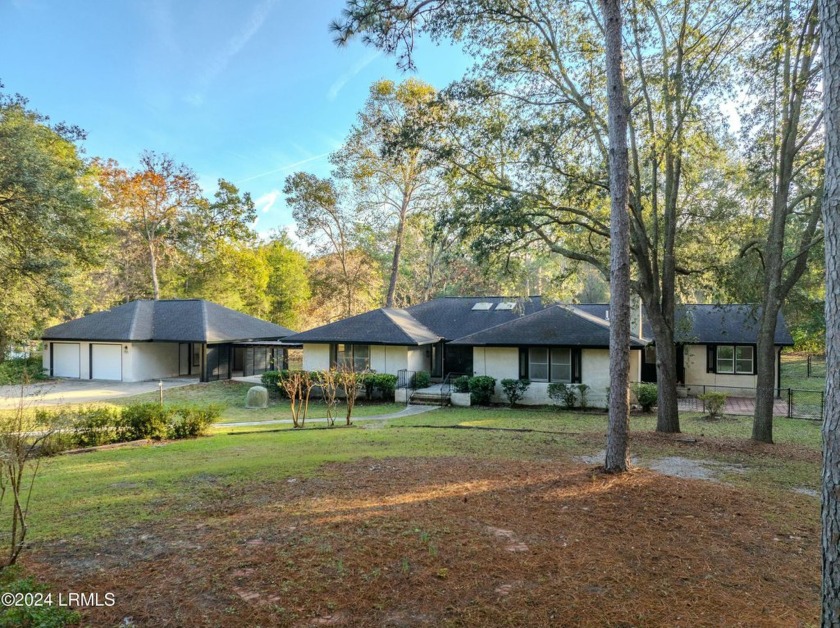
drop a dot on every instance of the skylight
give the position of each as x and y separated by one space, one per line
484 307
507 305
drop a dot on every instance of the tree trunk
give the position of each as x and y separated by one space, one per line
617 458
153 267
765 386
395 263
830 35
662 323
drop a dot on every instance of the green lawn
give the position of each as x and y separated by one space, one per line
96 493
231 396
795 372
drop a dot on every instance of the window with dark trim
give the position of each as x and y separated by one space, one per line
731 359
356 357
555 364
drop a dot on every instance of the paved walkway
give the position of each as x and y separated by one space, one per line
409 411
60 391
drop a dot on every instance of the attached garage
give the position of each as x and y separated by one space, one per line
66 360
106 361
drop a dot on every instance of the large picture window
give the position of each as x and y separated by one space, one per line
549 365
356 357
732 359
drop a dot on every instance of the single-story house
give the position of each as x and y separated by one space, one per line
144 340
506 337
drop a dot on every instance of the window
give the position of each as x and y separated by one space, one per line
744 360
726 359
541 364
538 364
731 359
356 357
561 365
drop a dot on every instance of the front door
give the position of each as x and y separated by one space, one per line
457 359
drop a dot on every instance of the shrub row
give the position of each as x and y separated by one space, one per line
102 425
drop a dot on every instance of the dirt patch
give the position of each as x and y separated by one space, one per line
415 542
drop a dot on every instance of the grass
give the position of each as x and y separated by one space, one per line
230 396
795 372
116 488
379 503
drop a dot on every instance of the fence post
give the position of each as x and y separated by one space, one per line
808 371
790 403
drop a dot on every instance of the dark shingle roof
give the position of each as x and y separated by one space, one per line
556 325
177 320
454 317
386 326
711 323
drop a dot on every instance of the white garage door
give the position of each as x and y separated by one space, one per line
106 362
65 360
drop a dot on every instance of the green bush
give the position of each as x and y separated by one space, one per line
19 370
422 379
145 420
461 384
481 389
514 389
714 402
368 383
386 384
583 394
271 381
96 426
46 616
192 421
645 395
564 394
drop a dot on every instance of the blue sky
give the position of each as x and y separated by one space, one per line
246 90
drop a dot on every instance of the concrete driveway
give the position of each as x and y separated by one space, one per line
82 391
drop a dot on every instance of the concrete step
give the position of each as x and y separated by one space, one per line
429 399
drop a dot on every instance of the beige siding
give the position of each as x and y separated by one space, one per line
316 357
385 359
696 375
150 360
417 360
499 363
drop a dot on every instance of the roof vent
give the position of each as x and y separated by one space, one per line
507 305
483 307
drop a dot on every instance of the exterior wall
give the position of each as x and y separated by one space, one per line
316 357
503 363
636 365
417 360
150 360
142 361
385 359
696 375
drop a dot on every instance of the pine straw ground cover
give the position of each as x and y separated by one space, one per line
459 541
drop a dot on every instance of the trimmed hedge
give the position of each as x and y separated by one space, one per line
481 389
461 384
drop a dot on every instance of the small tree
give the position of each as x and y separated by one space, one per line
328 380
350 381
23 435
298 387
514 389
583 393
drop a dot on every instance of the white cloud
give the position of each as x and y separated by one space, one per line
345 78
265 203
